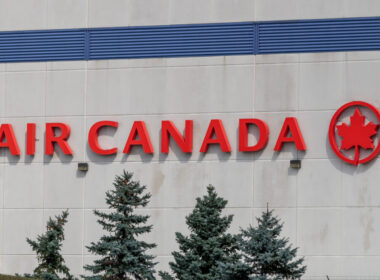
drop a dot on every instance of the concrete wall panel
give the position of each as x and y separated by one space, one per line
25 94
23 14
317 229
321 85
67 14
61 189
65 93
18 224
24 187
170 90
276 87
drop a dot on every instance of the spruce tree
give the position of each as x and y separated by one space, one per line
208 244
264 254
48 246
122 254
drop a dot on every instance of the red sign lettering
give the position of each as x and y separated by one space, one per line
93 138
7 134
216 127
30 139
61 140
243 135
290 126
139 129
185 143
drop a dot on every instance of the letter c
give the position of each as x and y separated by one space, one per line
93 138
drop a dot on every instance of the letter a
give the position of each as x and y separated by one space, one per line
290 125
6 132
139 129
216 126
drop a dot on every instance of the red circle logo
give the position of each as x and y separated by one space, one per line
355 135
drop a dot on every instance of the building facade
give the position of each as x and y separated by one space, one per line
250 65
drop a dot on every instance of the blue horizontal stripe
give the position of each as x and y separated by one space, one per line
319 35
240 38
170 41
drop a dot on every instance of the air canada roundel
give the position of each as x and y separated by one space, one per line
353 132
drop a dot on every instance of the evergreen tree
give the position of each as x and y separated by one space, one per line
208 244
48 246
265 255
123 256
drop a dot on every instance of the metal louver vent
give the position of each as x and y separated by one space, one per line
45 45
172 41
319 35
243 38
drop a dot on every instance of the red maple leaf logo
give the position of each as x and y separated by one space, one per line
357 134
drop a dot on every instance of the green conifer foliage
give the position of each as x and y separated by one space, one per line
265 255
122 254
208 244
47 247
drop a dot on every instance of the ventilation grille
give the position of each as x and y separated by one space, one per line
319 35
322 35
25 46
172 41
